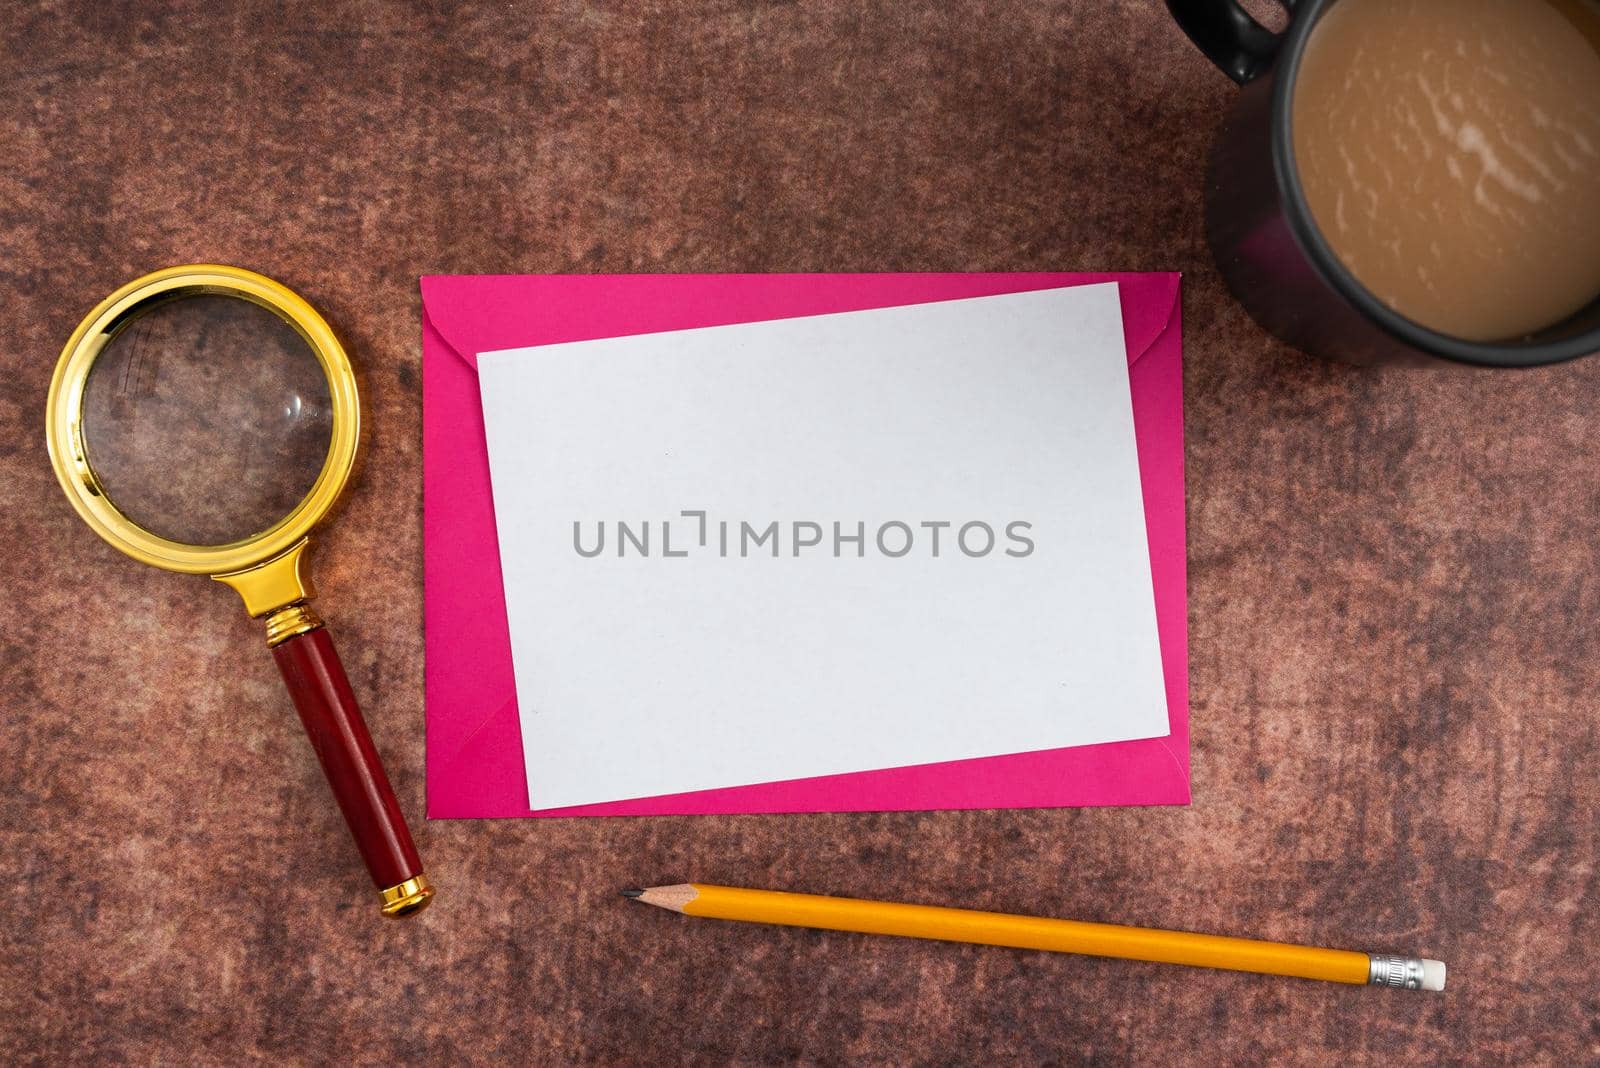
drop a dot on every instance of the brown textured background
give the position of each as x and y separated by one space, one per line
1394 582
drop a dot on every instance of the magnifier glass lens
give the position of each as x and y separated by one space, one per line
206 419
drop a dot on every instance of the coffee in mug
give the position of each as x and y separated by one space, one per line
1449 153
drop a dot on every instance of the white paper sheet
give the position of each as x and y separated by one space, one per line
685 655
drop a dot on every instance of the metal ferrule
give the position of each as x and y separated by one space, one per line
291 621
1402 972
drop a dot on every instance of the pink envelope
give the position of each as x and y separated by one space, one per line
474 737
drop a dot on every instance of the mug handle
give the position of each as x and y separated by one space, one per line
1228 35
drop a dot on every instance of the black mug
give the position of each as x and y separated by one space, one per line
1260 229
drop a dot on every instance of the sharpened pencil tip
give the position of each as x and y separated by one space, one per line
633 893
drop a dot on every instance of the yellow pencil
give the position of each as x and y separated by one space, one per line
1035 932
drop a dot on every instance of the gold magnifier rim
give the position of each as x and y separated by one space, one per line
64 419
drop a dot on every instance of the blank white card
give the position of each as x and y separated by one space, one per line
771 551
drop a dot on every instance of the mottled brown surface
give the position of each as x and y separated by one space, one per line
1394 581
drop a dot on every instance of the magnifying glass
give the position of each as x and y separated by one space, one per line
203 419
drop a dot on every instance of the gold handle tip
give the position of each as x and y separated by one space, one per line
410 896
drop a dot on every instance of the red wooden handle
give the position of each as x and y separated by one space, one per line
316 681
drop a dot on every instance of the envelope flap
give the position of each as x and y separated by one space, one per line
476 314
483 313
1149 302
